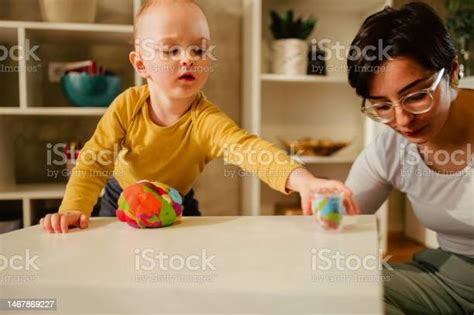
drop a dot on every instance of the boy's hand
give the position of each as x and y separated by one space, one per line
60 222
307 185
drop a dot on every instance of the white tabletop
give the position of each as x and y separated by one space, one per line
262 265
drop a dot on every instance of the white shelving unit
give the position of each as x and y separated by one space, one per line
33 111
270 77
467 83
289 107
52 111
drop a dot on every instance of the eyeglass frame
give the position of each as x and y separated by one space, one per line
430 90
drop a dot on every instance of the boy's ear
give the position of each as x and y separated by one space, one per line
138 64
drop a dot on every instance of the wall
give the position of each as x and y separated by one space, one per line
218 194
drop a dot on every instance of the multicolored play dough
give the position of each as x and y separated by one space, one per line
329 209
149 205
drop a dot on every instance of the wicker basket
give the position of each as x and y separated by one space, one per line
311 146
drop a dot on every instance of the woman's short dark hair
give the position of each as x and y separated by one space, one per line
414 31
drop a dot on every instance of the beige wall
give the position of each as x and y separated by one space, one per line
217 194
438 5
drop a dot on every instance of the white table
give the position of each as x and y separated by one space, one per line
263 265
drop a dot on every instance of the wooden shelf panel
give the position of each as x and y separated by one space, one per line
270 77
53 111
69 32
467 83
332 5
32 191
324 159
84 33
88 27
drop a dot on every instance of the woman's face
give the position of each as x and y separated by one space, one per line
402 76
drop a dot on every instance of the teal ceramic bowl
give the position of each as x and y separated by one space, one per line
84 90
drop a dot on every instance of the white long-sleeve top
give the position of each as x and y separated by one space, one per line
442 202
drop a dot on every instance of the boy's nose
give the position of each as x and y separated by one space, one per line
186 62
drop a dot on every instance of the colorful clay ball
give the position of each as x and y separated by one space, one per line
148 204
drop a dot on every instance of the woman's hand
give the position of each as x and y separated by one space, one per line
60 222
302 181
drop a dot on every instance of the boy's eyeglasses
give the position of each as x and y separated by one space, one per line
418 102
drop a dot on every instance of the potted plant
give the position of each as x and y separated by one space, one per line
460 23
290 49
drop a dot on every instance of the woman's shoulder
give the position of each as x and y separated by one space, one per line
388 143
386 152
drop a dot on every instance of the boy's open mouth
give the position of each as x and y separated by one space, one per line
187 77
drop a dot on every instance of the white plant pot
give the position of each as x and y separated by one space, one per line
68 11
290 56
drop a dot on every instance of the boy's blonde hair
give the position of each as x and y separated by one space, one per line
147 4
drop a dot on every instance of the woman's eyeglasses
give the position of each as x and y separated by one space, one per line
418 102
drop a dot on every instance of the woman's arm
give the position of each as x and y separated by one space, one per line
368 178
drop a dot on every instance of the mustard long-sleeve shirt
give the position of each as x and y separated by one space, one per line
130 146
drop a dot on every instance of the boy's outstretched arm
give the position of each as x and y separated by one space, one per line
220 137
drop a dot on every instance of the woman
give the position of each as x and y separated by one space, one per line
426 153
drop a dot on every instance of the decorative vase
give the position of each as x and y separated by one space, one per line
68 11
290 56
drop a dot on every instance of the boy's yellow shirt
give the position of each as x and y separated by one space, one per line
174 155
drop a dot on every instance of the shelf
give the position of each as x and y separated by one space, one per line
32 191
9 68
333 5
324 159
73 32
270 77
467 83
108 49
88 27
53 111
45 32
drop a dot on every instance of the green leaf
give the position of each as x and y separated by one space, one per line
286 26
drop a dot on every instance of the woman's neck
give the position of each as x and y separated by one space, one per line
165 110
455 138
459 126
